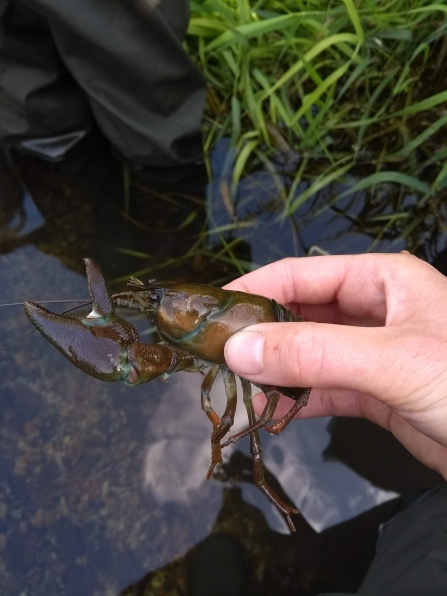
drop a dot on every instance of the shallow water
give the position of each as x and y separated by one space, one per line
100 483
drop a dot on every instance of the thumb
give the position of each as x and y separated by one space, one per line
317 355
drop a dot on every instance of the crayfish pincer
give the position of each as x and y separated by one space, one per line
194 322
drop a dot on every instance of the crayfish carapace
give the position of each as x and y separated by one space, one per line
194 322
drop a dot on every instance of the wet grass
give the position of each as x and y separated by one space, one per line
356 88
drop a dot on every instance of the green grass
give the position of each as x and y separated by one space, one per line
353 87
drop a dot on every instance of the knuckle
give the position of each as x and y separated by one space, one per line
297 353
310 351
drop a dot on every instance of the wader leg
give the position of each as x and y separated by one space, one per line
42 110
130 68
146 94
412 550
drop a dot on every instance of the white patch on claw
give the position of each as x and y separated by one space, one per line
94 315
116 363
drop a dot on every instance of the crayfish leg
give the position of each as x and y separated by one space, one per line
281 424
207 383
226 421
272 396
258 465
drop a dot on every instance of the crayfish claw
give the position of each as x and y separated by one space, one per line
97 350
102 305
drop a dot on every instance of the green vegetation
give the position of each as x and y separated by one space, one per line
353 87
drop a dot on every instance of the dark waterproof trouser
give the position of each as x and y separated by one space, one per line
411 557
63 62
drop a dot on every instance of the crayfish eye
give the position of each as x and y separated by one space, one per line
156 296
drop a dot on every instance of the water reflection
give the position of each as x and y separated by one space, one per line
326 492
258 202
100 483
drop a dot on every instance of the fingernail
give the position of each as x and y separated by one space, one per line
245 352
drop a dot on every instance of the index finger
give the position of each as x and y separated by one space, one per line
351 284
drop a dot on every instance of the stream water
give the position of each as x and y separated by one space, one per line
101 484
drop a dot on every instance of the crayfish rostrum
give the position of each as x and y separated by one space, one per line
194 322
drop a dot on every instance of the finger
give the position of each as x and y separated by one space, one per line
424 448
365 359
312 280
332 402
359 285
322 403
336 402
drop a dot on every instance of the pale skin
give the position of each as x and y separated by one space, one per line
374 343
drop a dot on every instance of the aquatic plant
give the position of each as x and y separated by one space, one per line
351 87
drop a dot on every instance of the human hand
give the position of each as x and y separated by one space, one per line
374 343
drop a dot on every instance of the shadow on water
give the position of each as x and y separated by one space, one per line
102 485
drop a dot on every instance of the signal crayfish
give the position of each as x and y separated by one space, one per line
194 322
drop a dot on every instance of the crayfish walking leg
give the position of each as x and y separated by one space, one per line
281 424
227 419
207 383
258 466
272 395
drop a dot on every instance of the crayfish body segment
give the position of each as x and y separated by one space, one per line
194 321
199 318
